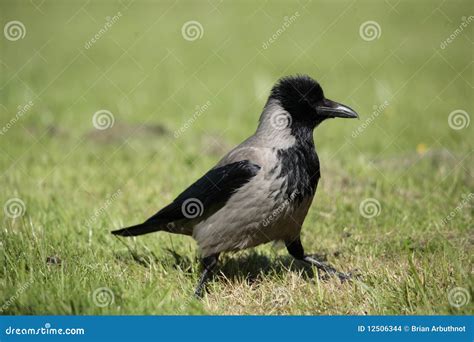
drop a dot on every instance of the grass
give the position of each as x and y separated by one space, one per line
77 183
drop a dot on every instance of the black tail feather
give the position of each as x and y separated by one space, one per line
139 229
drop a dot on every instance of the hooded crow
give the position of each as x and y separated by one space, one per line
261 190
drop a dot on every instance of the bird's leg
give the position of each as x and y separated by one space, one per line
295 248
208 264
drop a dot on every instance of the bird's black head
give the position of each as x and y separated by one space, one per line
303 98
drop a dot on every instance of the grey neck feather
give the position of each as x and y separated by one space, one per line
274 126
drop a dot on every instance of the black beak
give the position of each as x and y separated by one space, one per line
332 109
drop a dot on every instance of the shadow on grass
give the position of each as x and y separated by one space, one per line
249 266
253 266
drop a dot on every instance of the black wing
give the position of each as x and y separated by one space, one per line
203 198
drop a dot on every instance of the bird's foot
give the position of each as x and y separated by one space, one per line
199 292
321 265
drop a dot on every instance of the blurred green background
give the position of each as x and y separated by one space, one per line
152 80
